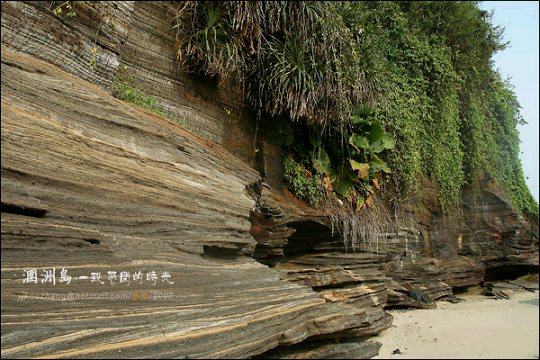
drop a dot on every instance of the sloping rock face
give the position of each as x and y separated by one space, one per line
91 184
94 186
139 35
495 232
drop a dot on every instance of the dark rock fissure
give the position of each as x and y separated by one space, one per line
458 290
22 210
509 272
314 256
337 349
343 285
92 241
220 252
307 235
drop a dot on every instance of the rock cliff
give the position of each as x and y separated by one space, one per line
91 184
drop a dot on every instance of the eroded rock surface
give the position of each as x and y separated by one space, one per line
494 232
91 184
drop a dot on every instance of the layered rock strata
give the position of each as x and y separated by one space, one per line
92 185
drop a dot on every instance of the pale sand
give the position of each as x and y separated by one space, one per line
479 327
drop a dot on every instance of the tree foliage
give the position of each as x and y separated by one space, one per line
424 67
293 57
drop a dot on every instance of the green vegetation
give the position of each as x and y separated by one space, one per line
345 158
94 54
295 57
302 183
436 107
123 89
65 8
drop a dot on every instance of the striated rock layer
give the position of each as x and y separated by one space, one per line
92 184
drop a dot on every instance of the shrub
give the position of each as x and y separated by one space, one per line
302 183
124 90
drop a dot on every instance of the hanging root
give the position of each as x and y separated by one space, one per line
364 230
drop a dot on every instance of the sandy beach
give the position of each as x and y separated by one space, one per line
479 327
